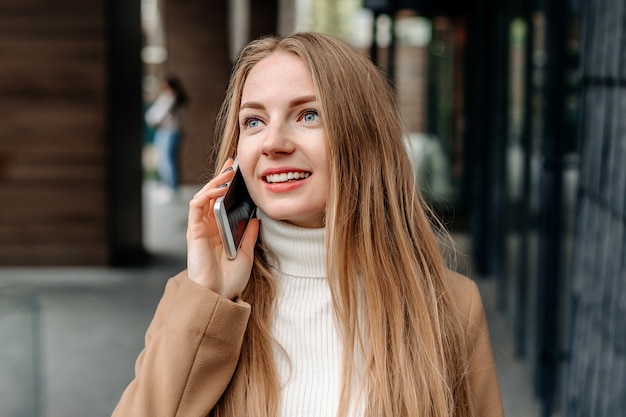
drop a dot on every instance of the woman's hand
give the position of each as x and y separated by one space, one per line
207 262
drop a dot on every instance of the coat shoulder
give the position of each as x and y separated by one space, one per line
464 291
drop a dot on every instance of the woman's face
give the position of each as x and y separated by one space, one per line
282 147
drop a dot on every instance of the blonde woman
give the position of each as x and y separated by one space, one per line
339 302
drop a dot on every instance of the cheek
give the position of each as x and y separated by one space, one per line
248 147
245 150
246 165
323 161
316 148
239 147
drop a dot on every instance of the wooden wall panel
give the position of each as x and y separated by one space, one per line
197 42
53 205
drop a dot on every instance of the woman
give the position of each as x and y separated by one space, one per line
165 116
339 302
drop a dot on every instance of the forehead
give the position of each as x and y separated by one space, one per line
280 72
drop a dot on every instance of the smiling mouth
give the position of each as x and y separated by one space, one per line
286 176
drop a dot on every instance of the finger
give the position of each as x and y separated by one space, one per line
221 179
201 199
211 190
228 164
218 182
201 205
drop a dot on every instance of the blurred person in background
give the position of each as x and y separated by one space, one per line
339 302
164 116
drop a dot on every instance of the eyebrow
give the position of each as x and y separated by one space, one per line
293 103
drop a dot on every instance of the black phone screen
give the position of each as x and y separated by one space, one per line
239 207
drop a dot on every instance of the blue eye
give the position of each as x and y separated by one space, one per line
310 116
251 123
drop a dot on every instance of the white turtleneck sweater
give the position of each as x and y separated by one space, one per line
304 324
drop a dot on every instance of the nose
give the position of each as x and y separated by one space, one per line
278 140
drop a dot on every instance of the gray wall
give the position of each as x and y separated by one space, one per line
597 371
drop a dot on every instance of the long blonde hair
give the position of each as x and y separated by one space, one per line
402 334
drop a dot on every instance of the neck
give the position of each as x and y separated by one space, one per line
295 250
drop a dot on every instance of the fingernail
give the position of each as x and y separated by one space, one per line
223 185
227 169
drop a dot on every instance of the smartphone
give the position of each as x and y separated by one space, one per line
233 211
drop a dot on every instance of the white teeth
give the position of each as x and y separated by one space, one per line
286 176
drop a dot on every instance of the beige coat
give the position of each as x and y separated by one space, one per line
193 343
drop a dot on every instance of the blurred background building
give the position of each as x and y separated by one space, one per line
515 118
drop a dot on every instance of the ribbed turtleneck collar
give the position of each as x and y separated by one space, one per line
300 252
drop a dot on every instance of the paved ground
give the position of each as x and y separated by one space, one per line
69 336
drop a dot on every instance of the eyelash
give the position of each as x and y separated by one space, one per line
308 111
247 120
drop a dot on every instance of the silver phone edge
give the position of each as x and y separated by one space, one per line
221 219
